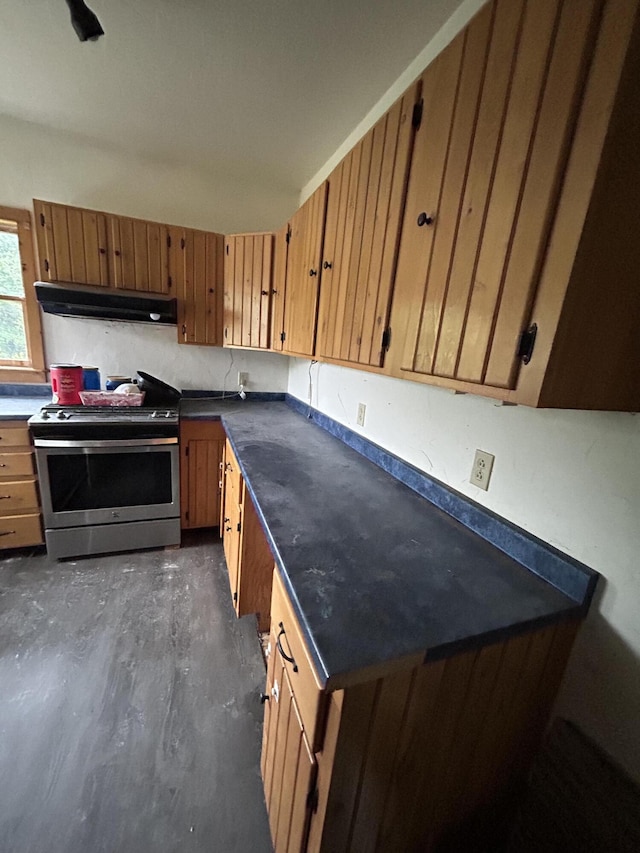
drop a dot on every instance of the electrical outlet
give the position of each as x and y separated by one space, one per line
362 410
481 471
243 378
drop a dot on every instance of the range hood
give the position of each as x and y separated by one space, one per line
76 301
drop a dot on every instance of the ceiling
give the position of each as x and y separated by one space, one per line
251 88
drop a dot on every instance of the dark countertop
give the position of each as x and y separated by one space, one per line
20 408
211 408
376 573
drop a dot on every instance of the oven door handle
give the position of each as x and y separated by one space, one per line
115 443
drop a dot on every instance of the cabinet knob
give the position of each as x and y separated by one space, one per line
327 265
103 251
264 292
313 272
424 219
117 253
275 292
264 697
228 529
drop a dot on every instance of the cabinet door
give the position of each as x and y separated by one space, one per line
303 274
255 566
364 214
196 273
248 274
201 504
288 765
279 284
231 541
499 110
138 254
72 244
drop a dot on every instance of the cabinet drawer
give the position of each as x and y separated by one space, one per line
17 436
16 531
17 497
16 464
289 643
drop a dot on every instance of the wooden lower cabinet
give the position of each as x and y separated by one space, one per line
246 550
428 758
20 522
201 449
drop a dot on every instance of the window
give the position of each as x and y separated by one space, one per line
21 352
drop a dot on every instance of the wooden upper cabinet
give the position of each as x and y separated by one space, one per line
248 275
279 285
525 92
303 274
196 273
364 214
72 244
91 247
138 254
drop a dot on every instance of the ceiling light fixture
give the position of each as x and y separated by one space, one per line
85 22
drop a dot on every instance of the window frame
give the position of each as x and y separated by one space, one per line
34 371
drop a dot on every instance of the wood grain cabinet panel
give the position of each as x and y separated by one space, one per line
503 254
290 775
247 553
20 522
196 275
303 274
73 244
279 285
364 213
248 282
201 451
138 255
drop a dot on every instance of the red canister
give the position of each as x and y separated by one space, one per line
66 384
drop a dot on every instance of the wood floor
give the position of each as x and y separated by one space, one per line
129 712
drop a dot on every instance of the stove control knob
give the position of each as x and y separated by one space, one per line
45 415
154 415
61 415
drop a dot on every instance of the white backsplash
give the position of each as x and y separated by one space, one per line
123 348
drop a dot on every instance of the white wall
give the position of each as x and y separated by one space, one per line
123 348
40 163
571 478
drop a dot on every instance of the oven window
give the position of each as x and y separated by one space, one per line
105 480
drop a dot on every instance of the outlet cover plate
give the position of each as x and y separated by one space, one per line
362 410
243 378
482 468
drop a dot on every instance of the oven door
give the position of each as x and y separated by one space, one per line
107 482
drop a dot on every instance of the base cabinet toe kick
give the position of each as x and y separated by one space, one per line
431 758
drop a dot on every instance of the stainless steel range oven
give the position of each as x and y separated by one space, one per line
109 478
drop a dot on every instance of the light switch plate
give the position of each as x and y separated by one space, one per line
362 410
482 467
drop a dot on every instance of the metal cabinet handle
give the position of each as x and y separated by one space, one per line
287 657
424 219
2 465
4 497
264 697
7 532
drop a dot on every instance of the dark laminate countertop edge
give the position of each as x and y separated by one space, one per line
337 679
